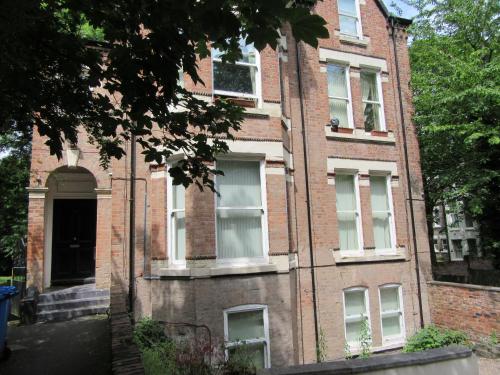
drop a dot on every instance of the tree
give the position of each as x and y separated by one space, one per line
47 67
455 80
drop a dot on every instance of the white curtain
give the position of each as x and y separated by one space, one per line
355 303
245 325
380 212
346 212
239 210
178 222
371 111
389 298
337 87
369 86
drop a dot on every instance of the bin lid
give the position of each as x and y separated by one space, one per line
7 292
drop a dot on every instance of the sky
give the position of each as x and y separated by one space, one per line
408 11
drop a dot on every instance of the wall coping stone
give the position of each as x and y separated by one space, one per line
356 366
466 286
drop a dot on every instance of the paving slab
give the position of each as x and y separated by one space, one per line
78 347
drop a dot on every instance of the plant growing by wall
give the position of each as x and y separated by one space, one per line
321 347
432 337
365 340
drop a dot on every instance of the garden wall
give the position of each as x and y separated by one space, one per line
450 360
474 309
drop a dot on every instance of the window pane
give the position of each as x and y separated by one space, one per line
472 245
348 25
353 330
179 233
245 325
337 85
348 6
178 194
255 353
239 233
378 187
369 86
240 185
248 53
345 193
234 78
348 232
389 299
382 230
355 303
371 114
339 110
391 326
469 222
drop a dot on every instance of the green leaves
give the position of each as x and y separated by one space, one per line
307 27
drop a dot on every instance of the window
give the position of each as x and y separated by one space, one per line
176 222
241 79
472 246
241 211
355 312
457 249
383 223
339 95
246 332
372 101
348 214
445 245
469 221
391 313
454 220
349 18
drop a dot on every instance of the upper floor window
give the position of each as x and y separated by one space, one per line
241 219
246 331
382 213
176 222
339 95
349 18
241 78
391 313
372 101
356 314
348 215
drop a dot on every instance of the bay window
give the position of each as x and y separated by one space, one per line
372 101
349 18
246 333
382 213
339 95
356 313
241 208
176 222
391 313
348 215
239 79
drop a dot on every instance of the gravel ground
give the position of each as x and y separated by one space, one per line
489 366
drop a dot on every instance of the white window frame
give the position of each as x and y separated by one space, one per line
453 251
266 340
350 117
258 80
359 29
380 102
181 263
244 261
347 319
399 339
359 223
392 222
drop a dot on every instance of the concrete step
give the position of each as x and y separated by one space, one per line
72 294
66 314
65 304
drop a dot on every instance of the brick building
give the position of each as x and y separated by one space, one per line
315 228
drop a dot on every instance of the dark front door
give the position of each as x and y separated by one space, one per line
73 240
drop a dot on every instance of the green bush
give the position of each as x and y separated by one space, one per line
432 337
159 359
148 333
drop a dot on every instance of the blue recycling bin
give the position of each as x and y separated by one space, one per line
6 293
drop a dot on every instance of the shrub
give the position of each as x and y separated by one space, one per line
432 337
148 333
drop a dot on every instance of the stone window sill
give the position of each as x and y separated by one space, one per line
222 270
360 135
369 255
351 40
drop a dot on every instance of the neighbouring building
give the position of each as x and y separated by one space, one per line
455 234
320 224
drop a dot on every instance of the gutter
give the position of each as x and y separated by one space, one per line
393 22
309 200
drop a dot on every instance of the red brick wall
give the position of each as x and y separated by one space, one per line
470 308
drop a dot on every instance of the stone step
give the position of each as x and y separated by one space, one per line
65 304
72 294
66 314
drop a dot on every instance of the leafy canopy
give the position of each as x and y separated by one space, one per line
47 67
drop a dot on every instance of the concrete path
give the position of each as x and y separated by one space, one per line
77 347
489 366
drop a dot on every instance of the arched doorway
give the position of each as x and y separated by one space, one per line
71 227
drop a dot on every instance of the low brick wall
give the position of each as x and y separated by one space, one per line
126 358
474 309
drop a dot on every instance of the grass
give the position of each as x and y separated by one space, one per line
5 280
